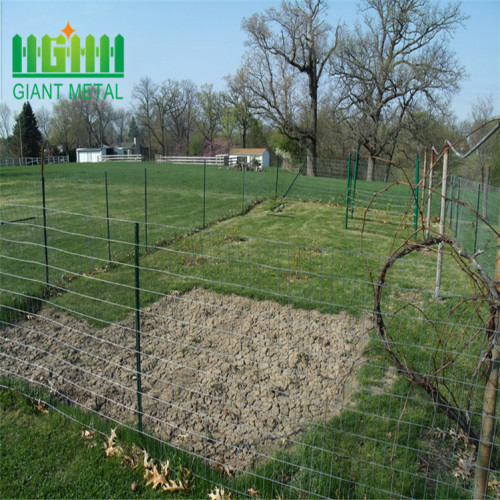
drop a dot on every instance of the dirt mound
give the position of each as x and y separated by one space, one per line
226 377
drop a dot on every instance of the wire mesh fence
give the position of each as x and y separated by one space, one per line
470 227
257 356
257 361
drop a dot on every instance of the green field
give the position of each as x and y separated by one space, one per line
293 251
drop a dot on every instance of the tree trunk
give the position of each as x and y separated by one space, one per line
485 192
312 166
244 136
371 169
387 172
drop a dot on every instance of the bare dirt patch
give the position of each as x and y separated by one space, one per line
226 377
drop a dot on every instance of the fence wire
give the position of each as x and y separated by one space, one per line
258 357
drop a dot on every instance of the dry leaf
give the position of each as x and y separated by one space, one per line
253 493
225 469
128 461
165 468
41 408
185 473
219 494
154 477
148 463
86 434
110 448
136 453
172 486
134 486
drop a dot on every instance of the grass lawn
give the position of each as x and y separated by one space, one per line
287 250
43 454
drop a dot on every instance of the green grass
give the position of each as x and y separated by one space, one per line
43 455
290 251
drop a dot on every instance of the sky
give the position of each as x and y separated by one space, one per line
202 40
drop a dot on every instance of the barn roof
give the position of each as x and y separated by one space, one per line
248 151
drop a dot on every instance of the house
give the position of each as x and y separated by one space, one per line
88 155
261 155
94 155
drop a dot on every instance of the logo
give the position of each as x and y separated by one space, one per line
68 56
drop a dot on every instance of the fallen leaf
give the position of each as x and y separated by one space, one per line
41 408
253 493
154 478
172 486
148 463
134 486
128 461
136 453
86 434
219 494
165 468
185 473
110 449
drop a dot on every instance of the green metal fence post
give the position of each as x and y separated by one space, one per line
477 215
107 215
146 206
277 173
243 190
417 180
138 330
204 189
348 191
45 226
353 197
457 207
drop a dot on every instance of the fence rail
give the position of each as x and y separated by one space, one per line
131 158
32 160
197 160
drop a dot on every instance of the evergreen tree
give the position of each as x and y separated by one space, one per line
26 137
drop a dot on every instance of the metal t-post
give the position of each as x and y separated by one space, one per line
137 328
348 191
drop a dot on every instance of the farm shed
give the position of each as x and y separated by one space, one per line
88 155
259 154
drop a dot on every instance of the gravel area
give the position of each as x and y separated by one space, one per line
226 377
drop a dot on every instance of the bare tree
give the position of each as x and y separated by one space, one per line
144 92
240 100
5 120
67 130
211 107
398 59
43 118
482 112
190 112
121 119
104 117
289 49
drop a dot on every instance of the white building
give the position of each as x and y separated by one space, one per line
88 155
259 154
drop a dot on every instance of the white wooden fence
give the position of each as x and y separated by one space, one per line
32 160
197 160
120 157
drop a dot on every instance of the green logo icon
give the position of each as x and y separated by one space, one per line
62 57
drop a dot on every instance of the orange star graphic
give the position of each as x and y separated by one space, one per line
68 30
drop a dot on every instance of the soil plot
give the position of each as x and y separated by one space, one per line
225 377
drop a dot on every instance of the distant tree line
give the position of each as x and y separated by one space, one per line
304 88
